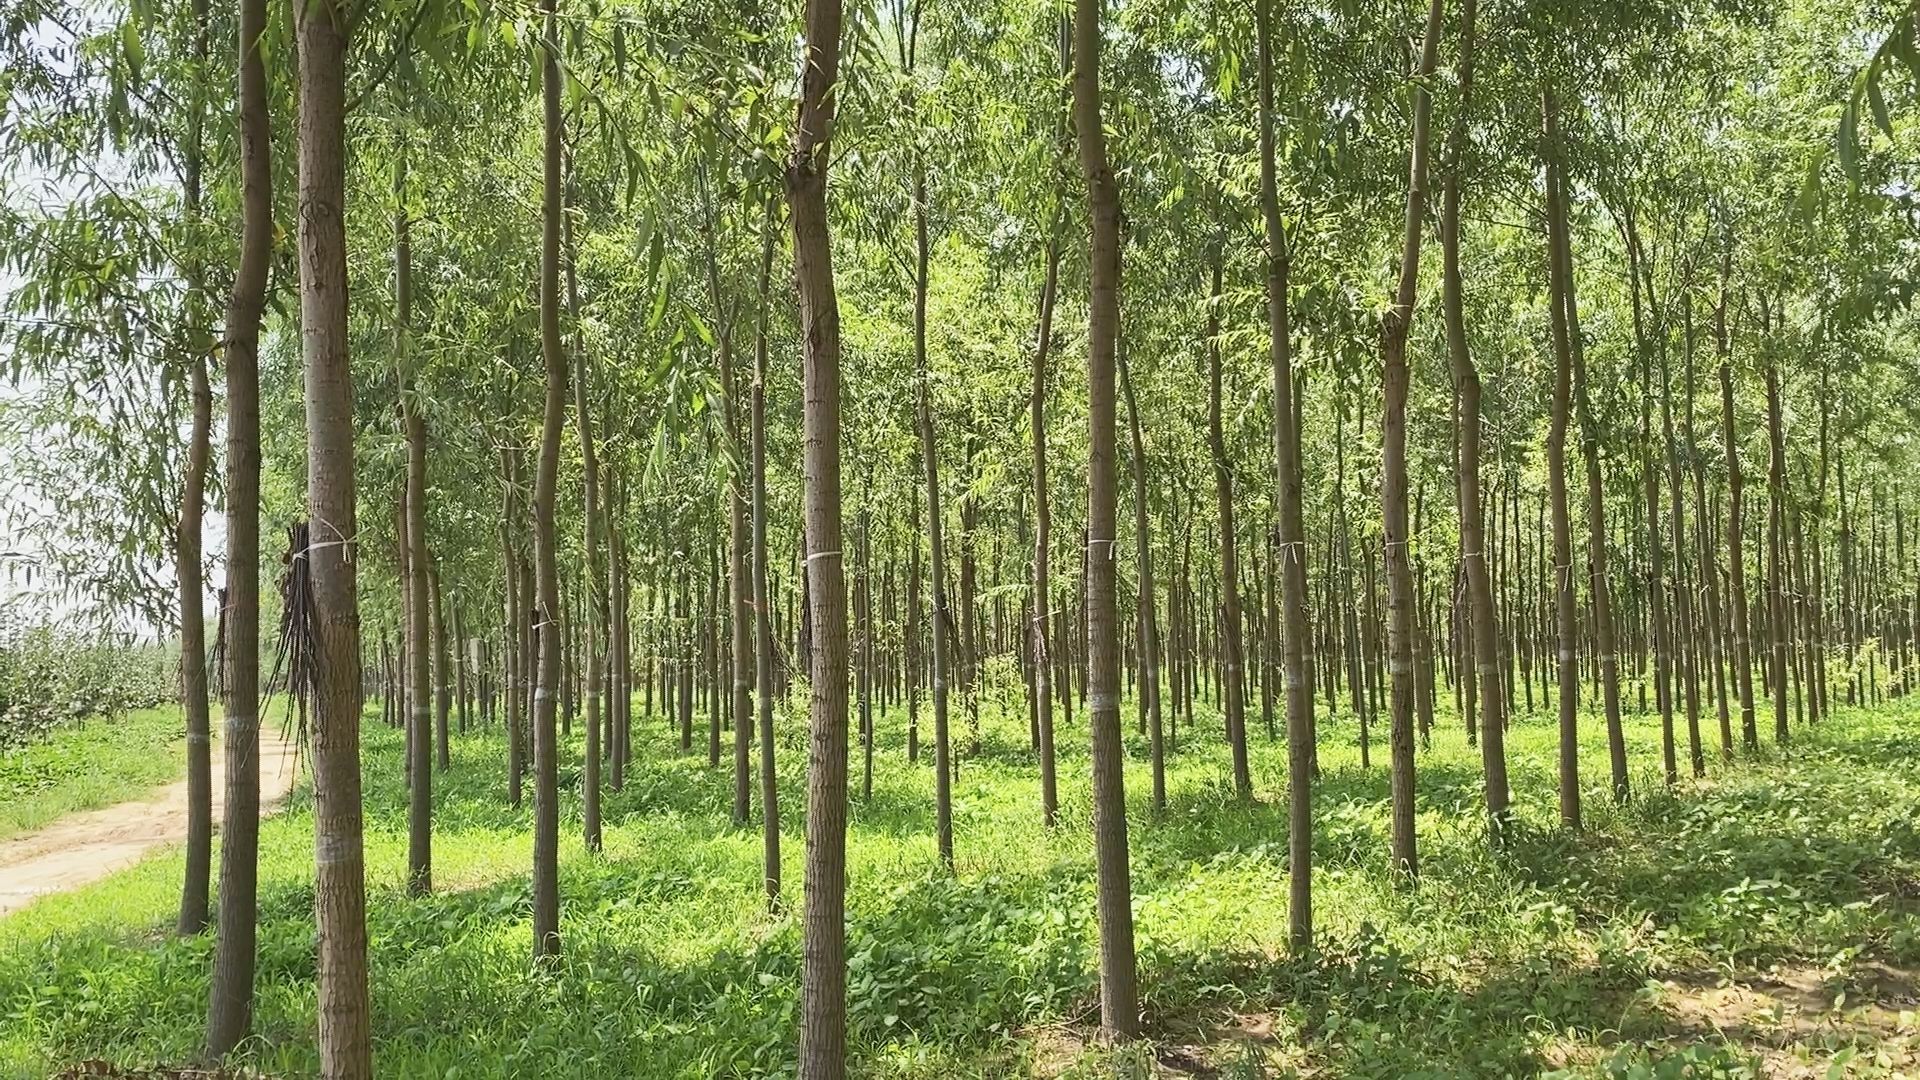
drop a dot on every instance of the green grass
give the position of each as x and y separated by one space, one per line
1545 957
100 762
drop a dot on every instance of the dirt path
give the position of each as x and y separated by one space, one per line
85 847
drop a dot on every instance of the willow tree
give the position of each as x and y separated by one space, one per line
546 562
339 892
230 996
1393 461
823 975
1119 984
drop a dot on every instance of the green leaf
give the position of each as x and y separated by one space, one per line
131 48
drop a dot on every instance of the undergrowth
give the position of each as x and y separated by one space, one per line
1522 962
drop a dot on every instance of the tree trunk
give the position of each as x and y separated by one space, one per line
594 614
1149 626
1043 549
1778 614
230 997
1291 551
1119 989
419 693
187 543
1466 380
1741 651
546 794
823 979
1557 486
762 588
1230 643
942 658
1393 464
345 1028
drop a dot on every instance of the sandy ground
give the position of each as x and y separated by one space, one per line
88 846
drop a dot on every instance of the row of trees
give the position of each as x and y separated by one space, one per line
557 485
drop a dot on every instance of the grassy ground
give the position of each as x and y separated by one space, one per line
1626 951
101 762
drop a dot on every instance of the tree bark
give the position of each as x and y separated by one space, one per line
1231 645
823 978
1043 544
1393 464
419 691
230 997
1467 390
345 1028
187 542
762 589
1119 988
1741 652
1569 672
546 795
1291 551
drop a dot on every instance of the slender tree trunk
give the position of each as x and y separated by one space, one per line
546 794
1149 626
1557 487
230 998
1598 583
1119 988
187 543
823 978
936 539
762 588
346 1047
1230 643
1741 657
1043 549
1466 381
1393 463
594 614
1291 551
442 660
419 693
1777 567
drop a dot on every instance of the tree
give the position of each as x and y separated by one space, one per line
1119 986
346 1046
1290 553
230 998
546 752
823 977
1393 464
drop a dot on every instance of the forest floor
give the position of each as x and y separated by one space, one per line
1764 921
84 847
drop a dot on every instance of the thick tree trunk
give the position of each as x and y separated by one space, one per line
345 1029
1119 988
823 978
